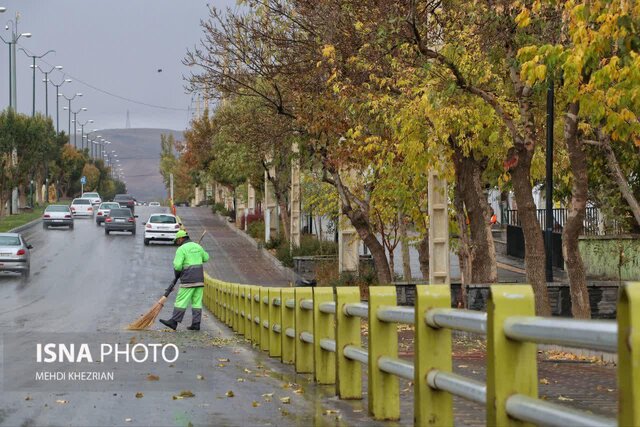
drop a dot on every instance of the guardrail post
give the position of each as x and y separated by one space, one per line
240 305
275 344
432 351
629 355
255 312
264 316
234 307
349 372
304 323
247 312
288 319
323 327
384 388
511 365
227 301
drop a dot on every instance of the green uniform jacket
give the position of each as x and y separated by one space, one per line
189 259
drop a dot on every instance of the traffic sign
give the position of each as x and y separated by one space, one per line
83 180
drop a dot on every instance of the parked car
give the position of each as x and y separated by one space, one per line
57 216
154 204
120 219
103 211
14 254
94 197
81 207
126 201
161 227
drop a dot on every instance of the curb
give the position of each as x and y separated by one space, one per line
275 261
26 226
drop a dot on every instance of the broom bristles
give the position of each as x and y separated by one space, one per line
149 317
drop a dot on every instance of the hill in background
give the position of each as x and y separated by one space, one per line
139 153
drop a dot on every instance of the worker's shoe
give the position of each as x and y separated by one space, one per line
194 327
169 323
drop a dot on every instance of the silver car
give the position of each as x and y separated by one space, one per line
57 215
14 254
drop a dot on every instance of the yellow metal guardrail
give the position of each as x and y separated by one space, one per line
319 331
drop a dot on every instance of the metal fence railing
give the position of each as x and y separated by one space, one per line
594 223
319 331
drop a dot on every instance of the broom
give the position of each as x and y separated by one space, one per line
149 317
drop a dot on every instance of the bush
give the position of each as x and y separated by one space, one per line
220 208
255 229
274 243
309 246
257 216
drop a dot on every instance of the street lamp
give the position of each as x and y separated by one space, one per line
75 121
15 36
82 131
69 108
57 98
46 87
34 57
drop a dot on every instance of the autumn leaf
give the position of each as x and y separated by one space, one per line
152 377
139 395
229 394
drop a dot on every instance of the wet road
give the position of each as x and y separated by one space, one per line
83 281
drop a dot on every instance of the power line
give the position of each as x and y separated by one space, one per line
106 92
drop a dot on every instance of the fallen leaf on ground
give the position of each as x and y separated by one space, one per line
200 377
128 420
223 360
62 402
229 393
568 399
463 366
331 411
255 404
240 380
183 394
246 371
544 381
221 365
285 400
284 412
152 377
357 411
28 398
267 395
299 391
139 395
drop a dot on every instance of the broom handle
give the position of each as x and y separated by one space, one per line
175 280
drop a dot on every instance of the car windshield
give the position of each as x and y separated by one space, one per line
119 212
81 202
9 241
163 219
109 205
90 195
57 208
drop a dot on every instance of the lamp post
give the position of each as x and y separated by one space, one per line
75 121
46 87
15 36
549 183
82 132
34 66
58 94
69 108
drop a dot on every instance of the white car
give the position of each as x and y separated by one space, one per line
81 207
104 209
154 204
94 197
161 227
57 215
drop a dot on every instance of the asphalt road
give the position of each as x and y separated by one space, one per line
86 287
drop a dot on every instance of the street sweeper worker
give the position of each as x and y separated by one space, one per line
187 265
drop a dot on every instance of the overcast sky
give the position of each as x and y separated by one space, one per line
116 46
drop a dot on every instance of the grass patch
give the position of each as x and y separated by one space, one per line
10 222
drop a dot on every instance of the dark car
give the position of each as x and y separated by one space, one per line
120 220
125 201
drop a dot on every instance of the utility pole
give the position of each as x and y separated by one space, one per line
34 66
58 95
549 183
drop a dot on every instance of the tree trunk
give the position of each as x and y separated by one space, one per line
580 307
281 200
423 256
483 250
404 248
534 256
619 177
392 265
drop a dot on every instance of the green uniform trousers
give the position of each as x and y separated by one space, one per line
189 295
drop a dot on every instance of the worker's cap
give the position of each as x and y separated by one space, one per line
180 234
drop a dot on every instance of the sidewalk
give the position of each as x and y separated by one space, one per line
233 258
